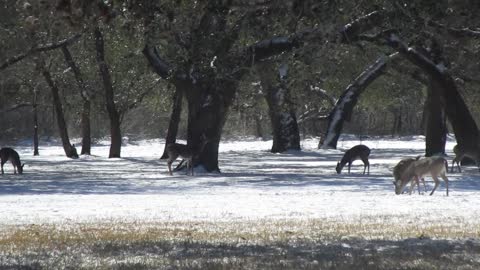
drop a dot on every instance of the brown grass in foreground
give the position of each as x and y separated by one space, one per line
366 243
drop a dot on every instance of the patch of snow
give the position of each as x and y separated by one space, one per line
254 184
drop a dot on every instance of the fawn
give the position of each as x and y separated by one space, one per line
462 151
7 154
417 169
357 152
175 150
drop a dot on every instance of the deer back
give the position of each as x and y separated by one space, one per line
357 152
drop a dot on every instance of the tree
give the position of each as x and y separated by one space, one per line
115 132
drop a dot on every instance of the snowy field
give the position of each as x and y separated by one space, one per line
264 211
254 185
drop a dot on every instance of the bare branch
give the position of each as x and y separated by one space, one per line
41 48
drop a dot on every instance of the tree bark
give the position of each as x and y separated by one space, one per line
208 105
69 149
436 122
86 134
280 107
115 132
344 107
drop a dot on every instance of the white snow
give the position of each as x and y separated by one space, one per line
254 184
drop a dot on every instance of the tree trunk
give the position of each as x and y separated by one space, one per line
174 116
281 108
86 134
344 107
35 123
436 121
208 104
115 132
69 149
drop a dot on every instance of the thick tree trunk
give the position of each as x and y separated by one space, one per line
436 122
208 105
86 134
344 107
281 108
115 132
174 116
69 149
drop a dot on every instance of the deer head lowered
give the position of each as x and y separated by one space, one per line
357 152
412 169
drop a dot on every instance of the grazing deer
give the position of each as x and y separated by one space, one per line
434 166
175 150
357 152
462 151
7 154
399 170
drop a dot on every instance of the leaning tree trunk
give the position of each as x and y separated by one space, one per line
69 149
436 121
344 107
115 132
86 134
463 124
280 107
174 116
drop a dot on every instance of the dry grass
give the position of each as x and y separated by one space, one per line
364 243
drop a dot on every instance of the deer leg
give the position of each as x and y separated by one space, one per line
189 166
349 165
169 164
412 185
424 186
437 182
14 168
444 177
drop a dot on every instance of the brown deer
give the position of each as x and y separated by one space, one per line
399 170
7 154
434 166
462 151
357 152
187 153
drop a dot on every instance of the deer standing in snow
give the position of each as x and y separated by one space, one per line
434 166
8 154
357 152
187 153
462 151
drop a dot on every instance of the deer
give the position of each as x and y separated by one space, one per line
8 154
462 151
434 166
187 153
399 170
357 152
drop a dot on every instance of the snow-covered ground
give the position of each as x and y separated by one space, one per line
254 184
